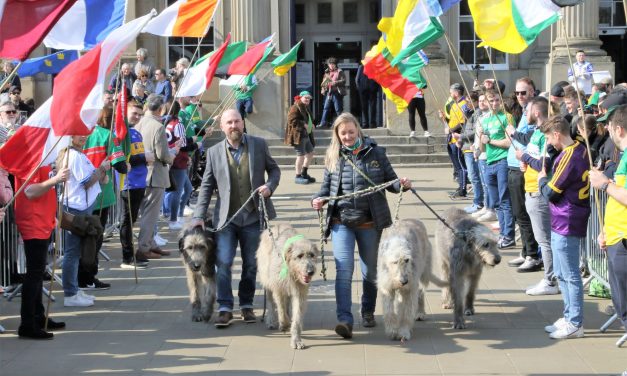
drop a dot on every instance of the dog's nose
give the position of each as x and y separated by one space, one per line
196 266
497 259
404 282
310 273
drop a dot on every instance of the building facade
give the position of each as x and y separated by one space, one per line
347 29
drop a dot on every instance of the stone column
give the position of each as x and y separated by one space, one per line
580 26
250 20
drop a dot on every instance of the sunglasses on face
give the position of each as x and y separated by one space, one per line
10 112
524 92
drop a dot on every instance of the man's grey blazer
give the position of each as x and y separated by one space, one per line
217 176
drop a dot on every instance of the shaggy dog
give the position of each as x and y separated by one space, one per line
198 252
404 271
285 269
461 257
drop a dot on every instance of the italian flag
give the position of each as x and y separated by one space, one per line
285 62
511 25
184 18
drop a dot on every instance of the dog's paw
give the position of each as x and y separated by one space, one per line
405 335
284 327
421 316
271 325
198 317
459 324
298 344
447 305
469 311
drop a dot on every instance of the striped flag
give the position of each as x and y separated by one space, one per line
199 77
285 62
185 18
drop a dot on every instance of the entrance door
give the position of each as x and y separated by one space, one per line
348 55
616 47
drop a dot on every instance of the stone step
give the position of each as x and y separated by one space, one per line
390 149
381 140
396 159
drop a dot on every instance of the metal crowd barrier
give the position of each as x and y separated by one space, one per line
597 258
9 244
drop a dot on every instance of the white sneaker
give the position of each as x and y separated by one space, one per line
174 226
160 241
543 288
83 295
77 301
567 331
480 212
489 216
516 262
412 134
427 134
556 325
188 212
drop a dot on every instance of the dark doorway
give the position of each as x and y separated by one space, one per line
348 55
616 48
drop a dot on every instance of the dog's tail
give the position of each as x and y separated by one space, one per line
437 281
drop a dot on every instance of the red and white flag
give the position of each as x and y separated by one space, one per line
78 89
120 115
23 152
198 78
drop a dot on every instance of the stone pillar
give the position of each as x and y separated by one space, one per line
580 27
243 12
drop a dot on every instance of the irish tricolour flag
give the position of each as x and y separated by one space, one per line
511 25
184 18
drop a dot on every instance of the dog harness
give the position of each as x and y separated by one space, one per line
283 273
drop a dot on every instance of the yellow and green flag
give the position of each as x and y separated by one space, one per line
285 62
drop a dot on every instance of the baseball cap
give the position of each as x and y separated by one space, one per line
557 91
305 93
614 99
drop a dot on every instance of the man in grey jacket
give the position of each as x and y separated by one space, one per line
236 167
159 157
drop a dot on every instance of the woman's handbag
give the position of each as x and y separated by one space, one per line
350 217
66 220
172 187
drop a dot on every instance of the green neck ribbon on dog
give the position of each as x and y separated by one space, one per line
288 243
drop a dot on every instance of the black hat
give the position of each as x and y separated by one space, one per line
557 91
501 85
14 88
610 103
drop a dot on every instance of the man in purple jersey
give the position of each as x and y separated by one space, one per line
568 193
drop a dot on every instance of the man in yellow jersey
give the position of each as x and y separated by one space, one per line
613 238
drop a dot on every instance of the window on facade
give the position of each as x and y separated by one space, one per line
325 13
299 13
350 12
179 47
468 42
611 13
374 14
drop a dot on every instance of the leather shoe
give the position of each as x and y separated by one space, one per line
367 320
149 255
53 325
224 319
248 315
34 333
344 330
160 251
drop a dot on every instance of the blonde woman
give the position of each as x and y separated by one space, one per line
360 219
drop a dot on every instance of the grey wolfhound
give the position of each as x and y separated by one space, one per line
198 252
285 268
403 272
461 258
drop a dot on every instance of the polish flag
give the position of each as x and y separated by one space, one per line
26 149
78 89
184 18
198 78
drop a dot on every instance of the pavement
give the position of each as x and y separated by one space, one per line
145 328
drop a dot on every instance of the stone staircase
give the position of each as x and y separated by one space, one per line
417 151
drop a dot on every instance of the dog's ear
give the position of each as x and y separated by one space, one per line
181 243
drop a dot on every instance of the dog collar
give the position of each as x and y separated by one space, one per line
283 273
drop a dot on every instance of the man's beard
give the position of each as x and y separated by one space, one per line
235 136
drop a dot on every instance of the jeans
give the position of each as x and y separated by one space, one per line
227 239
473 174
87 275
72 256
127 219
244 106
617 268
343 239
175 201
566 267
32 309
496 177
334 99
540 215
483 164
516 186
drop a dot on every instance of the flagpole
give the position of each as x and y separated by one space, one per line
185 73
432 90
10 76
498 88
549 78
455 55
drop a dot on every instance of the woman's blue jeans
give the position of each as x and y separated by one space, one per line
71 256
175 201
473 174
343 240
566 268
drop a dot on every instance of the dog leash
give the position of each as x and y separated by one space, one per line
456 233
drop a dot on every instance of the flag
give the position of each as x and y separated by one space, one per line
86 24
49 64
23 151
198 78
439 7
268 51
400 83
285 62
25 23
233 51
411 29
511 25
244 64
79 88
120 112
185 18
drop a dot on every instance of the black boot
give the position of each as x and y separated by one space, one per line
305 175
